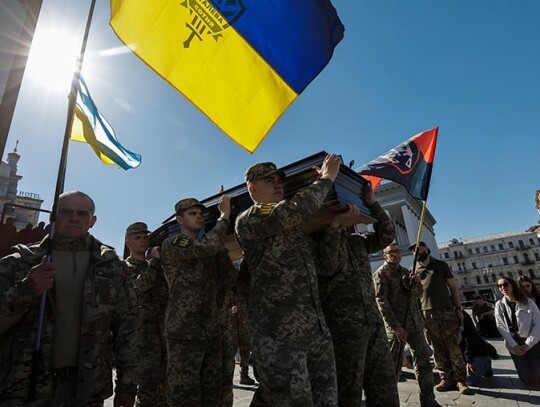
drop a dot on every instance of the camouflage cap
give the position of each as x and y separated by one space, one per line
137 227
187 203
263 170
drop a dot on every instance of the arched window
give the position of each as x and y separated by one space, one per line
478 280
531 273
486 279
510 274
493 277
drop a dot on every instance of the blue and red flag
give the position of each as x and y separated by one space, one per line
409 164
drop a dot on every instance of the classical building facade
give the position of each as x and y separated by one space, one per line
24 207
405 211
478 262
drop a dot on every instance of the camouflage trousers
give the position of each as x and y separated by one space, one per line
364 364
241 339
291 375
153 384
443 332
227 368
421 353
194 372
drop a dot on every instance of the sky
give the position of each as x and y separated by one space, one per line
470 67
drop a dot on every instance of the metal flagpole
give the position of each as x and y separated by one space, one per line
60 180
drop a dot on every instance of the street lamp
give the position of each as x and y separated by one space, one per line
487 272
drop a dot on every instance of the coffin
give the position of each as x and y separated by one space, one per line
345 190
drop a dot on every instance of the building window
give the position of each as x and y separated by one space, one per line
521 244
510 245
510 274
537 256
446 255
501 247
485 249
486 279
478 281
516 260
492 247
465 281
459 266
520 272
470 252
474 265
505 261
526 258
531 241
531 273
501 275
493 277
477 249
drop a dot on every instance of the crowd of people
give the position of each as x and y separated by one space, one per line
321 329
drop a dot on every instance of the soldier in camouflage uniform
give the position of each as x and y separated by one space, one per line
224 312
241 339
292 348
363 359
152 295
397 294
195 269
91 316
443 316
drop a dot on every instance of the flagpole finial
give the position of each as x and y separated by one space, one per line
16 145
351 163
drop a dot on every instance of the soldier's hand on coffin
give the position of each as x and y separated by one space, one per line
330 167
41 277
154 253
225 206
344 218
367 194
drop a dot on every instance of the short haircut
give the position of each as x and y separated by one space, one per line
80 195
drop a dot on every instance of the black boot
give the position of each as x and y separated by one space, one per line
244 377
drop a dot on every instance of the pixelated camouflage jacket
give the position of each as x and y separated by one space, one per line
348 295
109 307
395 292
284 298
152 293
194 271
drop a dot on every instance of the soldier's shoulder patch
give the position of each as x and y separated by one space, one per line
181 241
262 210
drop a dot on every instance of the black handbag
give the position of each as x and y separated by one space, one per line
513 328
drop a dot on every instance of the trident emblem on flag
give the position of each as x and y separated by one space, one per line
211 17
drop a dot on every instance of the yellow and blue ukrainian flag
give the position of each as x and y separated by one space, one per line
241 62
89 126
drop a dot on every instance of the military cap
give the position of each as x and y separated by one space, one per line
413 246
137 227
187 203
263 170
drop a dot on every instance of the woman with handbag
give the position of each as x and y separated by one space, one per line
518 321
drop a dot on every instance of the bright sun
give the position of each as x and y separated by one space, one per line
52 59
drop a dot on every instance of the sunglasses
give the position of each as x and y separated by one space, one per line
505 285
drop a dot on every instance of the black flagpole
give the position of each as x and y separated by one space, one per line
60 180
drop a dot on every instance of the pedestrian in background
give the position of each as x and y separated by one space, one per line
518 320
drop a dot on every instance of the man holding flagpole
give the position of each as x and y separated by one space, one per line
443 318
90 317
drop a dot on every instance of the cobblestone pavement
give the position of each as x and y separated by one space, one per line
502 390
